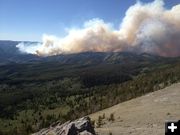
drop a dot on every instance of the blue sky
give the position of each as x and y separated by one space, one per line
29 19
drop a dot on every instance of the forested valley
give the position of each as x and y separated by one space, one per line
35 95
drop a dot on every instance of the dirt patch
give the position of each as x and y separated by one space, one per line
145 115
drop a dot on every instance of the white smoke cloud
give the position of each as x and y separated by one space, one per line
29 47
145 28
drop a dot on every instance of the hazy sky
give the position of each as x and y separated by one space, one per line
29 19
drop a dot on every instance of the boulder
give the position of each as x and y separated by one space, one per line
80 126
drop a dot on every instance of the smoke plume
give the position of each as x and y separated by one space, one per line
146 27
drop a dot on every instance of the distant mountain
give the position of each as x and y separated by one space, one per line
9 53
103 57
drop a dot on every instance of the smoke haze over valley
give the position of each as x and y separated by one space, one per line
146 27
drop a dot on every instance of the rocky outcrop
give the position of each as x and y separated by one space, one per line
80 126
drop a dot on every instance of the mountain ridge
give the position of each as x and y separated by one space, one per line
9 53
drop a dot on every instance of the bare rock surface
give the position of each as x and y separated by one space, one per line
145 115
81 126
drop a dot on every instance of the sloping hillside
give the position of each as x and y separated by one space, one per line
145 115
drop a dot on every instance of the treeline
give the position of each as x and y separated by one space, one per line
107 95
